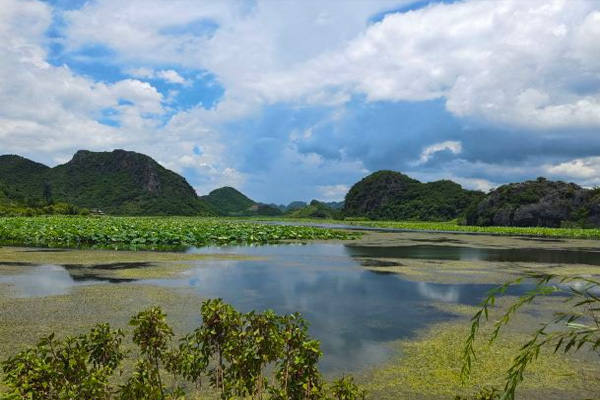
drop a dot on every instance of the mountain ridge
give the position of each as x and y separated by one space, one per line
118 182
393 195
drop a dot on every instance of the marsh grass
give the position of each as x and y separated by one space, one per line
453 226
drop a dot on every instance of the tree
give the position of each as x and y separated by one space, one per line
565 331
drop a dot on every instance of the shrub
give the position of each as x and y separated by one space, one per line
253 355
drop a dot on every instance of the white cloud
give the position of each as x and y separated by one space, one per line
171 76
581 169
453 146
519 63
168 75
332 192
512 62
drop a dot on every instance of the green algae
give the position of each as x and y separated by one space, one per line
97 257
428 366
437 271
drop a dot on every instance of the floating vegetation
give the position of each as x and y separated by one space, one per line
151 231
453 226
428 367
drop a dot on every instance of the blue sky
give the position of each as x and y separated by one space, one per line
294 100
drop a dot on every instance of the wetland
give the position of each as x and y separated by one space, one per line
391 307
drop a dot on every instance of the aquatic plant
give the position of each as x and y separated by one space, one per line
252 355
453 226
152 231
567 331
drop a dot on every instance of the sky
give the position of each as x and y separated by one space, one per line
295 100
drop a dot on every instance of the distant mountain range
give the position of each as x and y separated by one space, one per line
128 183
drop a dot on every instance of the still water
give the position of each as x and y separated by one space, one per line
354 312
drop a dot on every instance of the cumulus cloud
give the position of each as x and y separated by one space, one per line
583 170
429 151
509 62
333 192
315 95
168 75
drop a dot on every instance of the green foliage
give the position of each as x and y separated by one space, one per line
567 331
12 210
152 335
266 210
22 180
315 209
453 226
117 182
344 388
229 201
483 394
151 231
389 195
537 203
253 355
74 368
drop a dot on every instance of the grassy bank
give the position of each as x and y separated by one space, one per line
151 231
453 226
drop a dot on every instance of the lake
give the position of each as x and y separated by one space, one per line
355 312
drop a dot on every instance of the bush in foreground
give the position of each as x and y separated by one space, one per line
253 355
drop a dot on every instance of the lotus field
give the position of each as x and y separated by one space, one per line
151 231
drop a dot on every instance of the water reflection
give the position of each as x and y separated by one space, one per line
42 281
354 312
432 252
445 295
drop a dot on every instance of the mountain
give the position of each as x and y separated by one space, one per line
538 203
270 210
229 201
117 182
336 205
315 209
294 205
394 196
22 180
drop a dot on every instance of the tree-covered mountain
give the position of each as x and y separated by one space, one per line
335 205
117 182
315 209
538 203
22 181
394 196
294 205
229 201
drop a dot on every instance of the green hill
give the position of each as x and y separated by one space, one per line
315 209
391 195
23 181
229 201
538 203
117 182
294 205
